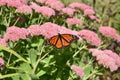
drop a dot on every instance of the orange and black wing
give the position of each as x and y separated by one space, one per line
67 39
55 40
62 40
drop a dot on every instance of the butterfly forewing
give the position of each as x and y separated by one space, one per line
53 40
68 38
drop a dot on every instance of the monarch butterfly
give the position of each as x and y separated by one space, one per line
61 40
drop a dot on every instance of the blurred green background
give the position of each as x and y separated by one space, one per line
107 10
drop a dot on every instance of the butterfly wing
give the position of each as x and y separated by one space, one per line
62 40
59 44
67 39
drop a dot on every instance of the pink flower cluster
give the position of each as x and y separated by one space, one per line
2 2
1 63
113 55
73 21
15 33
107 58
90 37
50 29
88 10
79 71
34 30
14 3
55 4
68 11
109 32
3 42
47 30
24 9
44 10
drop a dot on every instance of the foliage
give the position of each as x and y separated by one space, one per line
31 59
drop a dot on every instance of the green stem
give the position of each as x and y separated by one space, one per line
38 61
8 75
9 59
16 21
13 52
9 19
86 78
78 51
30 18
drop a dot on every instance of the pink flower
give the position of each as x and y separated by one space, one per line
113 55
97 20
3 42
104 59
14 3
23 1
79 71
49 29
89 12
14 33
46 11
73 21
80 6
92 17
2 2
68 11
109 32
1 63
117 37
24 9
35 6
64 30
41 1
34 30
90 37
55 4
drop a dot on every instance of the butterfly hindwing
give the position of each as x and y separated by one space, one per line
59 43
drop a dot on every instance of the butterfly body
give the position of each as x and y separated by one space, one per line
61 40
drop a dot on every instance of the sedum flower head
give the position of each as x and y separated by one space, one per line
24 9
109 32
15 33
73 21
90 37
104 59
78 70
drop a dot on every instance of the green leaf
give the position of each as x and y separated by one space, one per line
13 52
88 70
26 67
16 78
34 77
33 56
25 77
40 45
34 20
41 72
47 61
